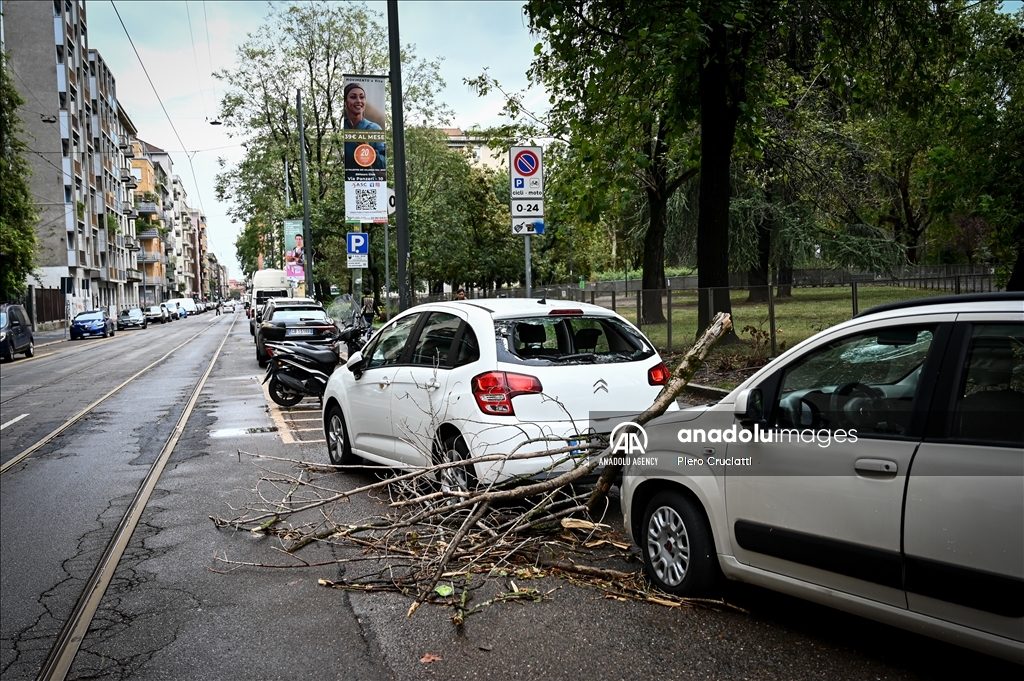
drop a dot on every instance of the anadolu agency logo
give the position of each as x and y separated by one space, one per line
628 442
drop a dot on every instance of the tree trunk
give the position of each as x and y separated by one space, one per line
785 282
718 133
654 260
757 276
1016 282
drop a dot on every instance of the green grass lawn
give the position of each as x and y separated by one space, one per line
807 312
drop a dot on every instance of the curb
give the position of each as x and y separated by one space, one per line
706 391
43 345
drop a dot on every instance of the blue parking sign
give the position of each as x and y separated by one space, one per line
519 182
358 243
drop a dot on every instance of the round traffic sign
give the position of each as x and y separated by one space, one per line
526 162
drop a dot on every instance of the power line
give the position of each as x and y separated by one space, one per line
169 121
209 55
195 58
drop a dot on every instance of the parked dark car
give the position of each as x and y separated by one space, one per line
132 318
92 323
304 320
15 332
155 315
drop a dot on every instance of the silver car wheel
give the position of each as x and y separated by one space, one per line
668 546
336 437
454 479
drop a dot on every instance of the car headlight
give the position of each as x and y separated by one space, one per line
3 335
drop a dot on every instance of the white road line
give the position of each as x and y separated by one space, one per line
13 421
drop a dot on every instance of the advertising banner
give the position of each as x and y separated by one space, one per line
366 165
294 250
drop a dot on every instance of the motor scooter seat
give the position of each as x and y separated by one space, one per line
325 356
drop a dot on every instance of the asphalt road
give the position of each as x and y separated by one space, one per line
168 615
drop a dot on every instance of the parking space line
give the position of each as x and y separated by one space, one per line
14 420
278 418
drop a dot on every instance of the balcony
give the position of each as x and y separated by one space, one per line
128 179
131 243
148 208
134 274
129 211
148 233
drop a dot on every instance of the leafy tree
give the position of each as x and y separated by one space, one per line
17 216
309 46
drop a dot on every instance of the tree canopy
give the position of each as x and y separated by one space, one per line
17 215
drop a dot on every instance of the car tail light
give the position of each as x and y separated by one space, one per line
564 312
658 374
270 351
495 389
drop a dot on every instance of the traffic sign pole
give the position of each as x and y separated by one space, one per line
529 288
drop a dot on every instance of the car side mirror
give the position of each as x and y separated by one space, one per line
355 364
749 407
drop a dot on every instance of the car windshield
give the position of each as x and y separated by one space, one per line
308 314
89 317
569 339
154 309
134 312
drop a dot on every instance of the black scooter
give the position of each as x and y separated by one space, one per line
297 370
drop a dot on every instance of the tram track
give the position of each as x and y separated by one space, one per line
62 654
18 458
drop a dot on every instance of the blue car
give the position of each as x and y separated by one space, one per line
92 323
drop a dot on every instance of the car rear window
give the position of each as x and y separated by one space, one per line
266 294
569 339
297 315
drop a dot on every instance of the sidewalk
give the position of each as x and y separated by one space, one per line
49 337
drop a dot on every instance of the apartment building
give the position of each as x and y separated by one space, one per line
77 134
149 168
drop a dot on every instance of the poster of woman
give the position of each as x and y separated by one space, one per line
365 150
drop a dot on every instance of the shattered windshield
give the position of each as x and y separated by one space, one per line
575 339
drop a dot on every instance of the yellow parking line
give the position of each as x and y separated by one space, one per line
36 356
278 418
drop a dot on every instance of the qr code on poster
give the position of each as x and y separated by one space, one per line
366 199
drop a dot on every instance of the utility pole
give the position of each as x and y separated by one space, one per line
306 231
398 139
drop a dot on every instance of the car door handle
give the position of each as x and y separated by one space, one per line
385 382
876 466
432 384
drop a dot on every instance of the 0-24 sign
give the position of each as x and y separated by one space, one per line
527 208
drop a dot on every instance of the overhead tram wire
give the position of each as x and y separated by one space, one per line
209 55
195 59
161 101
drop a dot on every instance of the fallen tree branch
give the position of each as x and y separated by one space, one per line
692 361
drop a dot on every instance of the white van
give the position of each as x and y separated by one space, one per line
187 303
266 284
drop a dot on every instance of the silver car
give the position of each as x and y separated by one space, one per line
877 467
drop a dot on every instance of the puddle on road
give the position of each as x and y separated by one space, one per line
238 432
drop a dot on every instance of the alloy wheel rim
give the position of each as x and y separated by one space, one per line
668 546
337 437
454 479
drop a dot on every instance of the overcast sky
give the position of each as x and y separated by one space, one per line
469 36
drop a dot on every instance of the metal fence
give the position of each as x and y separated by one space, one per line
761 316
44 305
